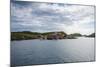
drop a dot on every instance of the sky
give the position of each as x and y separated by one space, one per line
49 17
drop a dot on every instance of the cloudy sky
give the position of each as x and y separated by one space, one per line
47 17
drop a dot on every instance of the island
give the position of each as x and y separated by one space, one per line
27 35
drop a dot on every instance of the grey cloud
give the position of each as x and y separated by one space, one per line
48 17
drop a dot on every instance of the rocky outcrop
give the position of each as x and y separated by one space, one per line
52 35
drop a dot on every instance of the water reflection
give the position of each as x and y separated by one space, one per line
30 52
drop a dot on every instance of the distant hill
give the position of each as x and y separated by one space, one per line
25 35
91 35
76 34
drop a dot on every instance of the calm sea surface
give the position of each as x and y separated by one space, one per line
33 52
